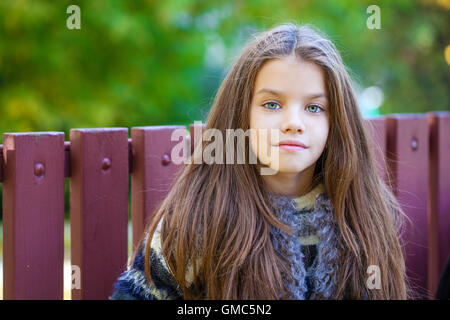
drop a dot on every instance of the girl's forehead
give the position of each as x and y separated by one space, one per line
290 77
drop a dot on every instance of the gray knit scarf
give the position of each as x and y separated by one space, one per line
323 272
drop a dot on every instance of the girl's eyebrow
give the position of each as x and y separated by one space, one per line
280 94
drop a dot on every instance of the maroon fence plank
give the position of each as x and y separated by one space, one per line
152 172
98 208
407 153
33 215
377 130
439 191
1 163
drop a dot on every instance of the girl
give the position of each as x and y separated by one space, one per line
311 230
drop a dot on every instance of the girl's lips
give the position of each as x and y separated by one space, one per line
291 147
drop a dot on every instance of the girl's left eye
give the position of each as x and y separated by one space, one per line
316 107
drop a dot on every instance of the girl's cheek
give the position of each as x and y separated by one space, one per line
261 144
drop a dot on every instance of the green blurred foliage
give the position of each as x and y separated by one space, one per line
141 62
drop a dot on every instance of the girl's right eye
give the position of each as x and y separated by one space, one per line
270 103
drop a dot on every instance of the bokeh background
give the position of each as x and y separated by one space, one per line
137 63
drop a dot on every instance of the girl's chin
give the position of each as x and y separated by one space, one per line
289 168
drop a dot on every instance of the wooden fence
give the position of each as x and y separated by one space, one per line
100 162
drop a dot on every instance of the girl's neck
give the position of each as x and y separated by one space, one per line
290 184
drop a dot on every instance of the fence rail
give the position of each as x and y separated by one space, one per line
100 163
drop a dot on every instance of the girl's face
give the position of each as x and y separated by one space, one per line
290 97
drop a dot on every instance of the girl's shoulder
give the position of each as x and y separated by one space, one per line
133 284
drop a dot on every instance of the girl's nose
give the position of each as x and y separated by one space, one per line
292 120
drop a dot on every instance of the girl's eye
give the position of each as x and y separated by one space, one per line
271 105
315 107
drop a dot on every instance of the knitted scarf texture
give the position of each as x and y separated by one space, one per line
324 269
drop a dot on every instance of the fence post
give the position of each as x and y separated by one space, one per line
152 173
407 156
98 208
439 200
33 215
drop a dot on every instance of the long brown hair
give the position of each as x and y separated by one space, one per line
217 217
